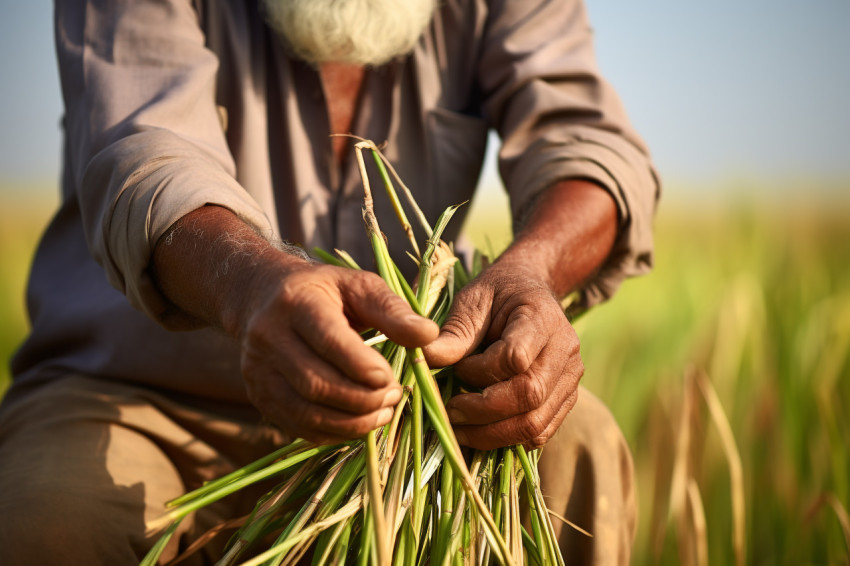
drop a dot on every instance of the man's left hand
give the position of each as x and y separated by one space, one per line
528 365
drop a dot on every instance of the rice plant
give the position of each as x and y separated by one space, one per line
750 289
406 493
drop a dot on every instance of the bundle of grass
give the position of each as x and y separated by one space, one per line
406 493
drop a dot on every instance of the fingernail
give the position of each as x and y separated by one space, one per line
414 318
456 416
386 416
393 396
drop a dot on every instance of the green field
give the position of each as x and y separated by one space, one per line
752 297
22 219
749 305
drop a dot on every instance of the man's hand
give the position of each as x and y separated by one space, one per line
304 364
529 367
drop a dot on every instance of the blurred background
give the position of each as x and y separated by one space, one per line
727 367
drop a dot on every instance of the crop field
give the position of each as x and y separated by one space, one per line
22 219
727 369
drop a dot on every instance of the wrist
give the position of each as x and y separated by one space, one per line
210 265
567 237
259 276
516 266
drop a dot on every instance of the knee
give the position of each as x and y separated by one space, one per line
50 523
588 476
607 450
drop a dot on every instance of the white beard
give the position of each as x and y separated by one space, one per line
360 32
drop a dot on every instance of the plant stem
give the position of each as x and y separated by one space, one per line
440 421
376 500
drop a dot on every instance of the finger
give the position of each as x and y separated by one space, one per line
540 440
319 382
552 376
283 406
464 328
369 301
270 348
327 332
523 339
532 430
522 394
331 425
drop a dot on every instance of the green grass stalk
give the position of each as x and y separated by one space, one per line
428 256
262 515
373 475
243 481
152 557
394 508
736 468
259 464
295 527
333 544
270 555
441 546
417 504
501 509
399 211
530 547
442 426
540 522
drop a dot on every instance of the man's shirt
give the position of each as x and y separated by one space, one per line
172 105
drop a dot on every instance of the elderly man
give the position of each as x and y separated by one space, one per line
197 141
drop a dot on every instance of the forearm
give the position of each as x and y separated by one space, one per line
304 363
567 236
209 263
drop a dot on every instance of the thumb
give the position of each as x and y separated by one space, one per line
462 332
374 304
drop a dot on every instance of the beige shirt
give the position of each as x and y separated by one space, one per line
172 105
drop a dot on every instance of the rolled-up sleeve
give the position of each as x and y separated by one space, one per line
558 119
145 142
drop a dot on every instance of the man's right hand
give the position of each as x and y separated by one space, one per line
304 364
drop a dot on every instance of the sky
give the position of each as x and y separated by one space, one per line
753 89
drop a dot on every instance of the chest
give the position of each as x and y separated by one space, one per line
342 85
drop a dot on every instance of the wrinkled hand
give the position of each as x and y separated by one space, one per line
305 365
530 366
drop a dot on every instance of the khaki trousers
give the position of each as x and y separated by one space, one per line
86 463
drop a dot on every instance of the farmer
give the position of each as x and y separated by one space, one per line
178 332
